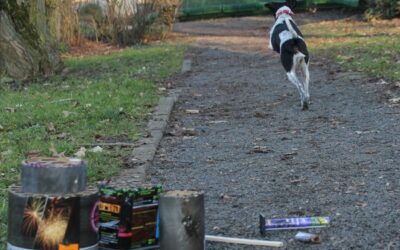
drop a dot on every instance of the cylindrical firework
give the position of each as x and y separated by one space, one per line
37 221
182 220
307 237
50 175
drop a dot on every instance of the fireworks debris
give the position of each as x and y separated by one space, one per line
308 238
223 196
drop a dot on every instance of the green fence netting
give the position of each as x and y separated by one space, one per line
192 8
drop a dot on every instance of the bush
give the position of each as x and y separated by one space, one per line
91 19
132 21
122 22
382 9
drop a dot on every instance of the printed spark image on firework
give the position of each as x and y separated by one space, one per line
52 230
33 216
47 221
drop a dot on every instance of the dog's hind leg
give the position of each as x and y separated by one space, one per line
306 73
293 79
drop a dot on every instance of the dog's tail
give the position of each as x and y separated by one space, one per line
291 29
298 58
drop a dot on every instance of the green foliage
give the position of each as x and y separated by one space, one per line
382 9
103 99
63 47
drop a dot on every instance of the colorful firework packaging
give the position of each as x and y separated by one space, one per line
292 223
128 218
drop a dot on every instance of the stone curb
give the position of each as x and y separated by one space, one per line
143 155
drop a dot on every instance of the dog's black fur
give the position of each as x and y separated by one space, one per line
292 46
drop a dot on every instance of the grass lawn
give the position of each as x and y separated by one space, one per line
103 98
369 47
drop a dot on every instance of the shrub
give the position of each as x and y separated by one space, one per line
129 22
91 19
382 9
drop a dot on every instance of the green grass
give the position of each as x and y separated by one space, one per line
103 98
369 47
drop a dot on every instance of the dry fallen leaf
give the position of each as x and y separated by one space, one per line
66 113
192 111
218 122
10 110
394 100
96 149
54 152
189 132
7 152
50 127
81 152
262 150
361 204
61 135
76 103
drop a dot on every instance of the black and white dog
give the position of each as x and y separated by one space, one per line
287 40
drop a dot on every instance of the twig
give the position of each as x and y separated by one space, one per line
62 100
113 144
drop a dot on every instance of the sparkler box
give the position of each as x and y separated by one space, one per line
129 218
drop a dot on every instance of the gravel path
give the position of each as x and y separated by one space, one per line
254 151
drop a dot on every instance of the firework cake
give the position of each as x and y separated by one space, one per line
53 175
53 209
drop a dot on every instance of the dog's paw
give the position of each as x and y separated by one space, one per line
304 106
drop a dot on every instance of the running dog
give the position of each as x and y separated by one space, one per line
286 39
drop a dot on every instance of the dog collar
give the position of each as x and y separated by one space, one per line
285 11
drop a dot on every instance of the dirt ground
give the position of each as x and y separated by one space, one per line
254 151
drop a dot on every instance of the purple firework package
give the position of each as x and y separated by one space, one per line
292 223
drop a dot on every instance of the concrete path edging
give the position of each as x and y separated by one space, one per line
143 155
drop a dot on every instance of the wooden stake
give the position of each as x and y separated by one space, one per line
244 241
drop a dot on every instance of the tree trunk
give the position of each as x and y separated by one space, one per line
27 50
